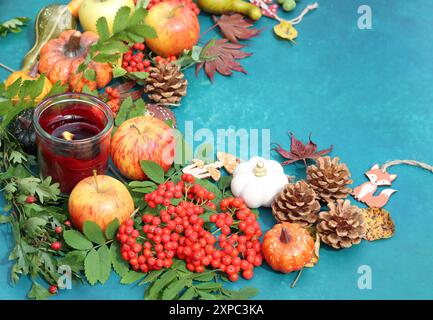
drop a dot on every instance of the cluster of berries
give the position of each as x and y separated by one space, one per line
114 100
188 3
134 60
178 232
159 59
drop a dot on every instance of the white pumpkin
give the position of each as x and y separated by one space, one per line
257 181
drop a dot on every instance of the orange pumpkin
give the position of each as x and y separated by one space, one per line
28 75
60 58
287 247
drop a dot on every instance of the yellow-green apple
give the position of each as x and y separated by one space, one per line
176 26
100 199
142 138
92 10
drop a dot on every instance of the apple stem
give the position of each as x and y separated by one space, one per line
136 128
95 176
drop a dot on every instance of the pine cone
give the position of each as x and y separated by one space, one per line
166 84
297 203
329 178
342 226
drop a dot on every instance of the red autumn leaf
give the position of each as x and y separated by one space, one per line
235 27
224 55
299 151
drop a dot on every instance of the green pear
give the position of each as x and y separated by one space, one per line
224 6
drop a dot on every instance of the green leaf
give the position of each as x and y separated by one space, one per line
92 269
144 31
119 265
113 47
35 226
13 25
12 90
111 230
118 72
131 277
140 75
189 294
123 111
76 240
209 286
121 19
137 17
74 259
38 292
104 263
90 74
225 182
204 277
153 171
5 219
93 232
156 288
151 276
242 294
174 289
206 295
107 57
87 90
102 29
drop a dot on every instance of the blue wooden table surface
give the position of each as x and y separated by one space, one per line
367 92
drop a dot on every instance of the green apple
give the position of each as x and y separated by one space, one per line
92 10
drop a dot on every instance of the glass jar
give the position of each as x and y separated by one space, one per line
73 134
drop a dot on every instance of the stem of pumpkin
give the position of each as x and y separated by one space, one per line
296 279
6 68
285 236
73 45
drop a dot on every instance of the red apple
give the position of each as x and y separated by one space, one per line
100 199
177 28
142 138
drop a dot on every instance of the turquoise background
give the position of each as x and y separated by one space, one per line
367 92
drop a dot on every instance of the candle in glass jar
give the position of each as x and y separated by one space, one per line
73 133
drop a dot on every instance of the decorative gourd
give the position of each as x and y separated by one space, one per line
50 22
225 6
29 75
258 181
23 130
60 58
287 247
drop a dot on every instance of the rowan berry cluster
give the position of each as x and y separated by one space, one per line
231 245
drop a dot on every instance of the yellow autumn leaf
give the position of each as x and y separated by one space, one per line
315 258
286 30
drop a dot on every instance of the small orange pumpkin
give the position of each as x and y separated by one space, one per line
31 75
60 58
287 247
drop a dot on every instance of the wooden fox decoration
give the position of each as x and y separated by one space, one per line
377 177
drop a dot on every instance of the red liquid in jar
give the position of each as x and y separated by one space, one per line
69 163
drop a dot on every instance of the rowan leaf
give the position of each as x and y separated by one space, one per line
153 171
76 240
132 276
121 19
111 230
120 266
104 263
189 294
226 55
174 289
102 29
93 232
235 27
92 269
